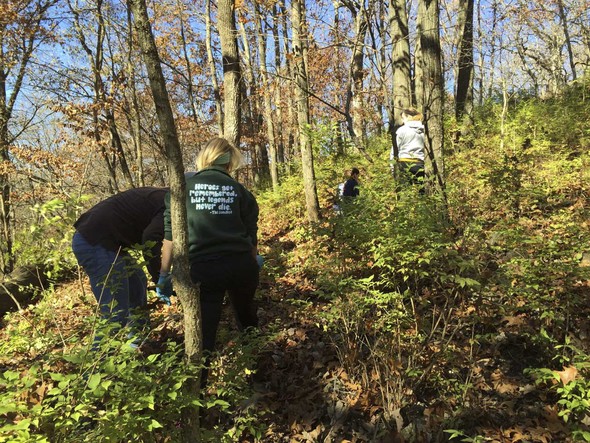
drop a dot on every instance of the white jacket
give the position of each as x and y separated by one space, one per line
410 141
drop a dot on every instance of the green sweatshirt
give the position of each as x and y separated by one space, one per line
222 215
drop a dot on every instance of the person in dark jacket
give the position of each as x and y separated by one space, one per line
222 220
104 236
351 185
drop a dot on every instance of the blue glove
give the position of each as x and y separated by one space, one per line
260 261
164 288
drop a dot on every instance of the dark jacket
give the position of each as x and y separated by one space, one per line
129 218
222 215
350 188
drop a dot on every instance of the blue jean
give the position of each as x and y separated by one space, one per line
117 281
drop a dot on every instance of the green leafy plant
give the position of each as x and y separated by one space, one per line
114 395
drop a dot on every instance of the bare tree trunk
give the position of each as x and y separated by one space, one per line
189 76
261 170
96 61
496 17
6 251
303 118
568 40
402 82
464 91
135 116
401 65
293 142
14 66
266 96
231 71
465 64
354 103
212 69
117 146
188 294
432 89
277 89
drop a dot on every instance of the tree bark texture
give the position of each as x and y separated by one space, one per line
303 116
212 68
432 89
400 55
464 90
266 97
231 70
188 293
355 87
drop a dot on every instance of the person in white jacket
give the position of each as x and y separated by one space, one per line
410 147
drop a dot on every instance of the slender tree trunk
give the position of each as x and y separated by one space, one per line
568 40
432 89
14 66
277 90
135 115
354 102
303 117
187 63
6 250
231 71
96 61
212 69
266 97
188 294
479 78
465 72
353 112
254 117
464 92
495 15
117 146
292 144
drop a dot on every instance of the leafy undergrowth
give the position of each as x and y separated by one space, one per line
473 380
407 318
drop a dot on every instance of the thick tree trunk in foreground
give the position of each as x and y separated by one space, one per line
231 71
400 58
303 120
188 294
400 54
431 99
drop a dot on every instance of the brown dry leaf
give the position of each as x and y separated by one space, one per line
506 388
514 435
496 375
40 394
553 421
540 434
568 374
513 320
312 435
